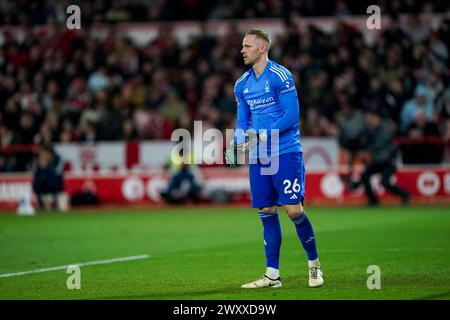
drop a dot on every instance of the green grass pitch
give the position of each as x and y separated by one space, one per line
207 253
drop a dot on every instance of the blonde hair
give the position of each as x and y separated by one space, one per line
261 34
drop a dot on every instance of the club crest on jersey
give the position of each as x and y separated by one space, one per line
267 87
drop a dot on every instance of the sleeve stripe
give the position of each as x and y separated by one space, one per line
241 78
281 70
278 74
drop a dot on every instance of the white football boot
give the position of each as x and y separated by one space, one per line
263 282
315 276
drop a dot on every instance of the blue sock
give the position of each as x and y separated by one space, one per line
306 234
272 238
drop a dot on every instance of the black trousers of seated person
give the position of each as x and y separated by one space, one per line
387 169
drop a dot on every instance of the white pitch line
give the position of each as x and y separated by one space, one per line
81 264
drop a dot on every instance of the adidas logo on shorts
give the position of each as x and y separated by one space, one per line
293 197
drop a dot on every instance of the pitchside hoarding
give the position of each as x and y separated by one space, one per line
130 173
426 185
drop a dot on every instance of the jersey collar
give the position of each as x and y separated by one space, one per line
269 63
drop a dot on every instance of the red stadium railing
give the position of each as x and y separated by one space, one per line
422 150
18 148
399 140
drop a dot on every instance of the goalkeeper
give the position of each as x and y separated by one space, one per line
268 126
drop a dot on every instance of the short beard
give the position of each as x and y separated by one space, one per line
251 62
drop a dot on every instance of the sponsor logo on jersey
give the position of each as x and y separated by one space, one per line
260 101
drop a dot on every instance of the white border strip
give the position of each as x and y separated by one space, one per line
82 264
278 73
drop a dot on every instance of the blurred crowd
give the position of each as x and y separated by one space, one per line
68 86
44 11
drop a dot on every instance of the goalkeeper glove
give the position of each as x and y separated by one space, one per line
252 139
231 155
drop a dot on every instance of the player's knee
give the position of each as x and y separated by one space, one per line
294 211
268 209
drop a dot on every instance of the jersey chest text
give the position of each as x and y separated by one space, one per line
259 94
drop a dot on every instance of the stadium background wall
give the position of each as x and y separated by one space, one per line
140 163
430 185
143 33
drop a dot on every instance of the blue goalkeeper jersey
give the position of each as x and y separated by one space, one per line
269 102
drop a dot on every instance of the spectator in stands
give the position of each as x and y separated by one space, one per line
6 136
129 132
421 151
416 29
7 162
11 115
48 181
27 128
394 99
317 125
410 108
164 10
351 128
393 69
88 132
98 80
422 127
185 182
446 140
173 108
4 167
443 104
437 52
395 33
69 74
44 136
68 133
78 98
433 86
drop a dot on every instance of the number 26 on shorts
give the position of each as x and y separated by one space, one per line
290 187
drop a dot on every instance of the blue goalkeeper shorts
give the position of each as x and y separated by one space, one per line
284 186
